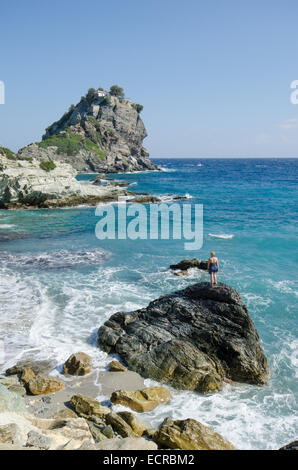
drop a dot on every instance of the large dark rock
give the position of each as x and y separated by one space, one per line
193 339
292 446
190 263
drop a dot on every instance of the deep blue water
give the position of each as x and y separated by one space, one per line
59 282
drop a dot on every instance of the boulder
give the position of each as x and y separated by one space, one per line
8 381
108 432
77 364
128 443
116 366
193 339
87 407
36 366
64 414
292 446
10 401
96 432
136 425
145 200
189 434
141 400
190 263
9 434
60 432
43 384
183 272
17 389
26 376
35 439
119 425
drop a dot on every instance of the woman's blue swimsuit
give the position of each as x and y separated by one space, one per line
213 268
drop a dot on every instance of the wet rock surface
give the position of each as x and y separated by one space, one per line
193 339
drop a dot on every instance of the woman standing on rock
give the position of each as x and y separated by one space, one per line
213 267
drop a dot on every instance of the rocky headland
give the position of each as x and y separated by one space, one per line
194 339
103 133
30 183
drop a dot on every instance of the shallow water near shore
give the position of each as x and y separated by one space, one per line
59 283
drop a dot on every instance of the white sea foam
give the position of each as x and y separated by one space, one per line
54 259
7 226
223 236
286 287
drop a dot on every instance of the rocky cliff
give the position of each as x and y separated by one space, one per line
194 339
27 182
99 134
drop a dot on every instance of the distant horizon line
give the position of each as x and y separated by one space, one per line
223 158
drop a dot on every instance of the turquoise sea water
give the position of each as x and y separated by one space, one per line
59 283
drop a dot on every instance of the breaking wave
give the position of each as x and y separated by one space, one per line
54 259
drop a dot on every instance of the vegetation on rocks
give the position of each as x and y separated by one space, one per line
70 144
116 90
138 107
8 153
47 165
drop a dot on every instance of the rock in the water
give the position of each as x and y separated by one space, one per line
145 200
141 400
137 426
292 446
77 364
193 339
183 272
128 443
36 366
185 264
189 434
116 366
88 407
19 389
43 384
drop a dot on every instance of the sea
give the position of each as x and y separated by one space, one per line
59 283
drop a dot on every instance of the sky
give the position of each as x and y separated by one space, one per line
214 77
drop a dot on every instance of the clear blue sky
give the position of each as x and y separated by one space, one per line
214 77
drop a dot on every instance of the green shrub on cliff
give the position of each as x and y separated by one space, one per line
71 144
91 95
138 107
8 153
68 143
47 166
92 147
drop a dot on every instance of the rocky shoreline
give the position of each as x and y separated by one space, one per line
42 412
195 339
